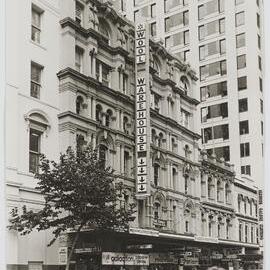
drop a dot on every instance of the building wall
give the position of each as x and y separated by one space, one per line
20 105
252 71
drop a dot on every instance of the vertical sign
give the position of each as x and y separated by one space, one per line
142 109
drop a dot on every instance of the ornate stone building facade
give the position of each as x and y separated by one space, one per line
195 208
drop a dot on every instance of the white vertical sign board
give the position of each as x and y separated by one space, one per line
142 109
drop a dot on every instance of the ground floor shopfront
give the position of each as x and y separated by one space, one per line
124 251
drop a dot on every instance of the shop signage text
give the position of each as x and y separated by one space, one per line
162 258
144 232
62 255
111 258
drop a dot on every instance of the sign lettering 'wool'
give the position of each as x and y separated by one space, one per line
142 110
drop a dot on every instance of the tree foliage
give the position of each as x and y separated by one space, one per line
78 192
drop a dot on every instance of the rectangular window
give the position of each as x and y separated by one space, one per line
220 152
262 127
153 29
170 4
153 10
213 69
183 55
176 20
213 90
241 61
243 105
181 38
34 150
261 84
258 21
259 42
216 132
211 7
239 18
244 150
36 24
136 15
218 110
212 28
242 83
212 48
78 59
261 105
35 80
245 170
260 62
243 127
240 40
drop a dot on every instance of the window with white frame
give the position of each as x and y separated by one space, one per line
79 59
36 71
36 24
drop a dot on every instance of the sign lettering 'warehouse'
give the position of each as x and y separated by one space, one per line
142 108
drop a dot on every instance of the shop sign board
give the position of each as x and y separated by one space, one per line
62 255
87 250
112 258
162 258
143 232
189 261
142 110
145 246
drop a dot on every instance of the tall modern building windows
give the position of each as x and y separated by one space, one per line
241 61
36 24
181 38
36 70
171 4
213 111
242 83
240 40
214 90
243 105
215 133
220 152
211 7
79 12
239 18
213 69
244 150
153 10
179 19
153 29
246 170
238 2
211 28
212 48
243 127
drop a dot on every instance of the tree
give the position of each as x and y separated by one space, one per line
79 191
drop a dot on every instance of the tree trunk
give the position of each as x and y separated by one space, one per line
75 240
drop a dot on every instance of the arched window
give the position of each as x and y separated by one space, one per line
174 145
160 139
184 84
187 151
104 29
79 104
210 187
80 141
187 215
153 136
125 124
186 183
174 173
103 152
157 211
156 65
210 226
227 193
219 188
156 174
108 117
228 228
98 113
38 124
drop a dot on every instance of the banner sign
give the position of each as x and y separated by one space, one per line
145 232
142 109
162 258
111 258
